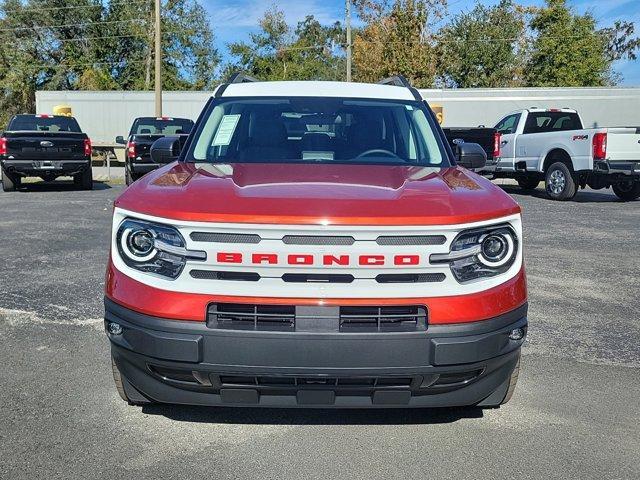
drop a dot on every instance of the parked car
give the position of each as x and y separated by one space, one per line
45 146
487 138
551 145
145 131
344 259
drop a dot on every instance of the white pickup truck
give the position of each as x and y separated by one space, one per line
550 145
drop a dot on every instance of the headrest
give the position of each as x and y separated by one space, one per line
268 131
366 132
316 141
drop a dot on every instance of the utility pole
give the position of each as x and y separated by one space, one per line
158 66
348 22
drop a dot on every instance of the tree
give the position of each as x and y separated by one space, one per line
189 58
567 49
620 41
484 48
279 52
397 39
82 44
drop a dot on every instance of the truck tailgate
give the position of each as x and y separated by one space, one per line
45 145
480 135
623 144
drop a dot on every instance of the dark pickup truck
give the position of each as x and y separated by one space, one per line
487 138
144 132
45 146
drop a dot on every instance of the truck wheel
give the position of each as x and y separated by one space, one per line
84 179
528 183
627 191
8 184
513 380
560 183
128 177
124 388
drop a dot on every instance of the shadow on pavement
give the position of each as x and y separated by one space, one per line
58 186
292 416
583 196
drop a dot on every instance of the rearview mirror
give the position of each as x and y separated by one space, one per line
166 149
470 155
120 140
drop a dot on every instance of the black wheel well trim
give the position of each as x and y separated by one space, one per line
557 155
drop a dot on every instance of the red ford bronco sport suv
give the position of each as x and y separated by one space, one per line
316 244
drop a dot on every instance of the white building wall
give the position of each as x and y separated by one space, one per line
104 115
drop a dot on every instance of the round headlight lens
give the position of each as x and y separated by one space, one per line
140 242
494 248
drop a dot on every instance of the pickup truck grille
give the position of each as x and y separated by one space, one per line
238 316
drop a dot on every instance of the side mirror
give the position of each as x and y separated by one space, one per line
120 140
166 149
470 155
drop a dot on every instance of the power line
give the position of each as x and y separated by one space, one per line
82 39
45 66
43 9
46 27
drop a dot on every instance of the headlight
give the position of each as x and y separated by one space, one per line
479 253
154 248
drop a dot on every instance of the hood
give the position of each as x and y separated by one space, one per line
319 194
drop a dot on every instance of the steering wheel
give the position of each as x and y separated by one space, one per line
383 151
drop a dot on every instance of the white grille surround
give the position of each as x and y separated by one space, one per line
271 283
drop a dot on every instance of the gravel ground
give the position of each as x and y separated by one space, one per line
575 413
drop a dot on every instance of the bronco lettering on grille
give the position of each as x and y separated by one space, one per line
324 260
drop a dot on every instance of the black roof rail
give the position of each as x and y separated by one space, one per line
239 77
235 77
401 81
396 81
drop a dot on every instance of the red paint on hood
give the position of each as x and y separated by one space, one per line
317 194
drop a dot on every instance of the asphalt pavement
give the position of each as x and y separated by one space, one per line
575 412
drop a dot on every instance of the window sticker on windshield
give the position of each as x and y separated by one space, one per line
225 129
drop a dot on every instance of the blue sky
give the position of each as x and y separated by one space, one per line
232 20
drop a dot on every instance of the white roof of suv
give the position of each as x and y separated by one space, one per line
317 89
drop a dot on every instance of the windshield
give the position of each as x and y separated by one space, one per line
44 123
317 130
160 126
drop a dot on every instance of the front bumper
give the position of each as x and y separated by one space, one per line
45 168
190 363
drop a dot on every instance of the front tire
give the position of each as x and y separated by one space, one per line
513 380
560 183
528 183
124 388
627 191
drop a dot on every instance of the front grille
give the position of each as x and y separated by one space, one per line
225 275
317 240
318 382
346 319
224 237
381 319
238 316
317 278
410 277
412 240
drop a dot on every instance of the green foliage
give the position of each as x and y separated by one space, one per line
83 44
567 50
279 52
397 40
484 48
